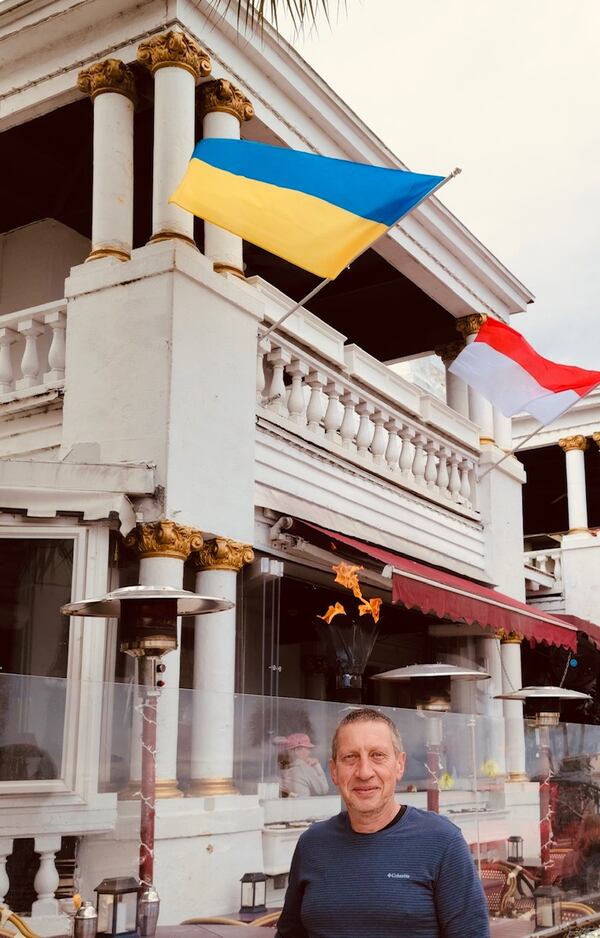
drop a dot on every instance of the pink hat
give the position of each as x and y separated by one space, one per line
299 741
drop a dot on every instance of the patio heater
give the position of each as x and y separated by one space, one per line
148 617
543 704
432 684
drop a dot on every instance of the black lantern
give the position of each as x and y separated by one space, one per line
547 907
117 905
514 849
254 893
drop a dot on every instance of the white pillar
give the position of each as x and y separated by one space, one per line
502 430
223 108
480 409
163 547
46 879
176 62
111 86
489 656
457 392
510 653
574 448
218 562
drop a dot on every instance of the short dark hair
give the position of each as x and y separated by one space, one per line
367 715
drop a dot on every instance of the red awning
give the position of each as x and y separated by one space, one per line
448 596
583 625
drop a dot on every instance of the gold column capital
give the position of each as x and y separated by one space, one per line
509 638
110 75
470 325
568 443
450 351
596 438
219 553
174 49
164 539
221 95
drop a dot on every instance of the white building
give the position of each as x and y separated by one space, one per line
148 437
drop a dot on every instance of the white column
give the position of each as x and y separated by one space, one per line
480 409
176 62
219 562
457 392
502 430
489 656
163 547
46 879
111 86
574 448
223 108
514 726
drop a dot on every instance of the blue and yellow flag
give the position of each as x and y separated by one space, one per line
316 212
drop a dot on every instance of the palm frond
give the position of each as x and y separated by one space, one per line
253 14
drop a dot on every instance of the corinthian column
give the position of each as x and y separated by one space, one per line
457 392
223 108
480 409
574 448
162 548
111 86
514 726
177 63
219 562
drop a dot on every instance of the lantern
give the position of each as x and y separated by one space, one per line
254 893
117 906
514 851
547 907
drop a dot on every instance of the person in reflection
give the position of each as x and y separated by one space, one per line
580 870
380 869
301 774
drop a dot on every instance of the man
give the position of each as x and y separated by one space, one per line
378 869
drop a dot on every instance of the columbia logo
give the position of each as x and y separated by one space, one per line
398 875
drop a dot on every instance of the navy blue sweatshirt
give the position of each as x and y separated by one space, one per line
413 879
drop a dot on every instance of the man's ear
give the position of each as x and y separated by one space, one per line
333 771
400 765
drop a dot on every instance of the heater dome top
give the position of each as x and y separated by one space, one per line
432 671
542 692
188 604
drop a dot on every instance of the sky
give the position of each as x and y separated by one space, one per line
509 90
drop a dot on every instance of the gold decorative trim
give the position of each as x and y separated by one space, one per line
517 777
484 440
221 95
509 638
174 50
131 792
450 351
219 553
228 269
470 325
578 531
596 438
110 75
567 443
204 787
167 235
98 253
167 788
164 539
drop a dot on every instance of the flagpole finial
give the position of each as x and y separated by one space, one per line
455 172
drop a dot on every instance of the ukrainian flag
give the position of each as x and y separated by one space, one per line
316 212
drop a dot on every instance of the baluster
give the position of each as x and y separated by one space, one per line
465 482
419 460
262 349
30 363
557 568
442 474
407 454
278 358
393 448
349 400
430 474
6 846
46 879
332 418
454 484
314 411
365 428
379 441
543 563
57 351
296 402
7 337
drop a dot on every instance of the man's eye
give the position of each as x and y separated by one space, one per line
378 756
349 759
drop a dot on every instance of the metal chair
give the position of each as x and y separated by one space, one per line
570 911
212 920
269 920
499 881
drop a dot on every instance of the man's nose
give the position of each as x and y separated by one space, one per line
364 769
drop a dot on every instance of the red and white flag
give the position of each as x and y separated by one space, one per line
505 369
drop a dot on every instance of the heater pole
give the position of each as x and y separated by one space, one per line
148 786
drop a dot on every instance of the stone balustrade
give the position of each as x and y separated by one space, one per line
543 571
32 351
46 881
361 411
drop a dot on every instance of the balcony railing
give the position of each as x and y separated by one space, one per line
32 351
543 571
343 400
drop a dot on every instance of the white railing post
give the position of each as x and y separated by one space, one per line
407 453
57 321
314 411
430 473
277 393
296 404
46 879
349 401
379 441
6 847
263 348
364 433
443 478
394 446
30 363
7 377
331 420
454 483
419 460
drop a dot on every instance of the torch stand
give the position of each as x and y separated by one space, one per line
149 710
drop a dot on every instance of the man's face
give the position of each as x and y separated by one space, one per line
366 768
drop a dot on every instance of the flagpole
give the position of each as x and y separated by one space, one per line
323 283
